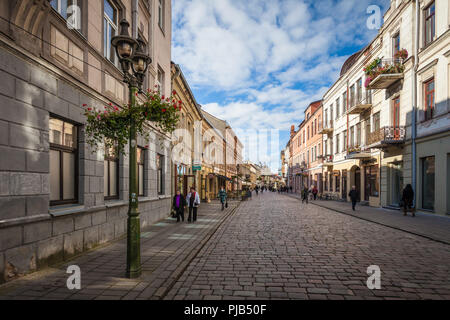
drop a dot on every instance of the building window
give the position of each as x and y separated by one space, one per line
395 44
63 162
331 182
429 99
160 173
345 140
372 183
62 6
326 183
352 136
141 168
338 108
161 11
376 122
368 96
358 134
337 143
430 28
359 90
352 96
331 113
111 174
110 30
161 81
344 101
428 171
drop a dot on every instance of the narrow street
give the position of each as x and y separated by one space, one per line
271 247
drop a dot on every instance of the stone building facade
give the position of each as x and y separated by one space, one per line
57 197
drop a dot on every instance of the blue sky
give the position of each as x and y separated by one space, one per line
258 64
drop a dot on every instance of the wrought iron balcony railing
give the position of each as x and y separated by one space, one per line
386 136
361 106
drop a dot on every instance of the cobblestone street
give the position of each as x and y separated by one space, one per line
271 247
275 247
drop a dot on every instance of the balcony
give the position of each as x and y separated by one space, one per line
357 153
386 72
326 128
386 136
365 104
327 160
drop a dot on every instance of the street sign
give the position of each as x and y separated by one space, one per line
197 168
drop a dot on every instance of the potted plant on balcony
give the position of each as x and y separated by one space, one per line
401 54
354 149
387 66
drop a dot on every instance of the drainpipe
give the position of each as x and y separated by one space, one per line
414 104
134 21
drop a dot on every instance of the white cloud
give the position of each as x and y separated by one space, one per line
269 59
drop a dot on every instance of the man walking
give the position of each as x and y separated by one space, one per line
193 200
179 202
305 194
353 194
223 197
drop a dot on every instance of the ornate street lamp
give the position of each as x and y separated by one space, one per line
134 63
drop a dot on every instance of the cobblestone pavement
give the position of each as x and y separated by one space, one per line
424 224
166 250
276 248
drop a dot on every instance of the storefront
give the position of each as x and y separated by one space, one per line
184 179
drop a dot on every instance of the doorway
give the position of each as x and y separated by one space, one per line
396 183
189 181
344 185
357 180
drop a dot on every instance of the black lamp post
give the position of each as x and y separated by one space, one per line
134 63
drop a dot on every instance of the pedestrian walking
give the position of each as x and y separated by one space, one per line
179 203
407 199
315 191
305 194
353 194
290 188
223 197
193 200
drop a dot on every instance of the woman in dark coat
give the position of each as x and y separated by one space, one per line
408 198
179 202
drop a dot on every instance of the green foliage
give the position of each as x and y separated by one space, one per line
111 127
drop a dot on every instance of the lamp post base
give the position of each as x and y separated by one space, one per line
134 268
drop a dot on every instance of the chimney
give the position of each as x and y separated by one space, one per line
292 130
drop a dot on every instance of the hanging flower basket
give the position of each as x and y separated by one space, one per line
111 127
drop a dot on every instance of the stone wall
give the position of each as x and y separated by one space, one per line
32 234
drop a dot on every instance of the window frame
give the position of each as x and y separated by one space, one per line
395 43
161 14
426 95
65 149
139 164
160 170
423 191
115 25
431 17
